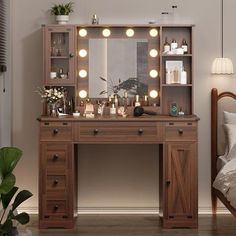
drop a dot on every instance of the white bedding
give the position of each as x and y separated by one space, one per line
221 161
226 181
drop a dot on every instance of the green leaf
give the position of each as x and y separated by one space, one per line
9 156
7 184
6 198
23 218
21 197
6 227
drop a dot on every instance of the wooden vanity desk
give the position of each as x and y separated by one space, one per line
177 138
76 57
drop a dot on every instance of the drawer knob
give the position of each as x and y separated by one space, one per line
168 182
55 157
140 131
56 181
56 207
95 131
71 55
180 131
55 131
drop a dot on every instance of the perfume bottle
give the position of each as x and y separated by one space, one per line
173 45
185 46
166 46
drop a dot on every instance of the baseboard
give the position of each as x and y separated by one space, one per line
125 210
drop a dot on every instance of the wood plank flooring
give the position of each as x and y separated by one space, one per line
137 225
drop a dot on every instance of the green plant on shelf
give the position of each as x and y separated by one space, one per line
62 9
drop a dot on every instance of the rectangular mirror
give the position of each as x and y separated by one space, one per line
117 66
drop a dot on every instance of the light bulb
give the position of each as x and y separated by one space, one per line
82 53
83 94
130 32
153 53
83 32
82 73
153 32
153 94
106 32
153 73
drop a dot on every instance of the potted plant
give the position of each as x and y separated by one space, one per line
62 11
9 157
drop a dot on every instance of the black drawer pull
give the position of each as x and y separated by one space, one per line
64 217
180 131
95 131
171 123
46 123
55 157
180 150
55 131
171 217
56 182
168 182
190 123
46 217
140 131
56 207
65 123
189 217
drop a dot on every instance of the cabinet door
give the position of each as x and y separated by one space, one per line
59 55
181 182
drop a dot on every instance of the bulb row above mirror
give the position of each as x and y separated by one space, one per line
107 32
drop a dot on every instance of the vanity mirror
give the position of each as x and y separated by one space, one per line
118 60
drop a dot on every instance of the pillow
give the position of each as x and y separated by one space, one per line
229 118
232 153
231 137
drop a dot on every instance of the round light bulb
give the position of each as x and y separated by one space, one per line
153 94
153 32
106 32
82 53
83 94
83 32
82 73
130 32
153 53
153 73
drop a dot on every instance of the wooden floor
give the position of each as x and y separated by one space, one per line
137 225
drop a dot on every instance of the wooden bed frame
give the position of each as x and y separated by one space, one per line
215 97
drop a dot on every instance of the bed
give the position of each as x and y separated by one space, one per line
220 165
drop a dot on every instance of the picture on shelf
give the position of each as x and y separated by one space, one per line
175 73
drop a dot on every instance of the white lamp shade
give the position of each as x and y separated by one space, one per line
222 65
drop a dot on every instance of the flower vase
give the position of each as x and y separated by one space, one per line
54 112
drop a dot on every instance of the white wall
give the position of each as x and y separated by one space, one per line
108 179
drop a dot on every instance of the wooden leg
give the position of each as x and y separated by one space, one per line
213 202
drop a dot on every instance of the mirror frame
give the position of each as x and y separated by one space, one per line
116 32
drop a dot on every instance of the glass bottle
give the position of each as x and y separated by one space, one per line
166 46
173 45
185 46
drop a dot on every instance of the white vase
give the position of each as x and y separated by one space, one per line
62 19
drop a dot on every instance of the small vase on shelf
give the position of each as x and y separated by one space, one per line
54 112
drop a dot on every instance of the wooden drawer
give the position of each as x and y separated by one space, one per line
180 131
55 131
56 207
56 155
56 183
119 132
